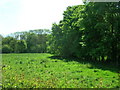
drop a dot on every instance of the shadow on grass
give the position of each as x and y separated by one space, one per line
94 64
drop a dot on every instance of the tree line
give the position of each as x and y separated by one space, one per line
33 41
90 31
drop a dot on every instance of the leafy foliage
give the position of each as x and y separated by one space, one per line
21 46
33 41
6 49
90 31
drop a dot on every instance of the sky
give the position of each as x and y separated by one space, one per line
23 15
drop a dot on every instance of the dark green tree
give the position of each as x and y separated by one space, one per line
21 46
6 49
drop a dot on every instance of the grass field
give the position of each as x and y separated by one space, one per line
46 71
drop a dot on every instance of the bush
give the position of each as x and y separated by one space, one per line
6 49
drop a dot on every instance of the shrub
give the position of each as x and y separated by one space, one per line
6 49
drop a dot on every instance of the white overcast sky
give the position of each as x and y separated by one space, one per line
22 15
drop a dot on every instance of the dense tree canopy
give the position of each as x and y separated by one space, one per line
33 41
90 31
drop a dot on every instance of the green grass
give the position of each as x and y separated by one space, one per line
45 71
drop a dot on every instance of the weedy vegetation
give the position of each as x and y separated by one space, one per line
47 71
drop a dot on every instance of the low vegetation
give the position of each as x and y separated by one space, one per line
47 71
